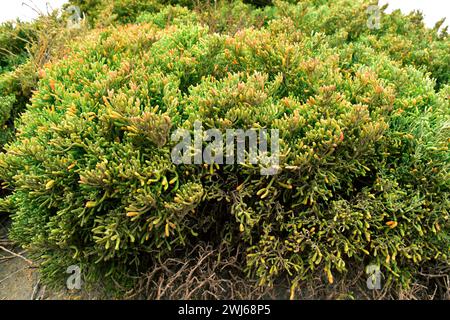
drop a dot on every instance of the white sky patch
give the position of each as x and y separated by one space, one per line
22 9
433 10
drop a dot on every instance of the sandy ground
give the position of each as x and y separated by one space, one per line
19 278
20 281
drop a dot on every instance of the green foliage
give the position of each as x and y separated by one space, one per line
106 12
364 137
25 47
170 15
221 17
403 37
14 39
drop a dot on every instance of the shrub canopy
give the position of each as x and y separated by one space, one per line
364 137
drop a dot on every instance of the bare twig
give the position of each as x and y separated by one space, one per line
35 289
42 296
16 255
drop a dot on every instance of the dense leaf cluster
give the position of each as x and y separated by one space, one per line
364 137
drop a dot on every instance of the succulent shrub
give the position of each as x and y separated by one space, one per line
404 37
363 172
15 88
15 38
222 17
103 12
25 47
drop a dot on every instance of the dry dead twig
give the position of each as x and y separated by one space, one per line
16 255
